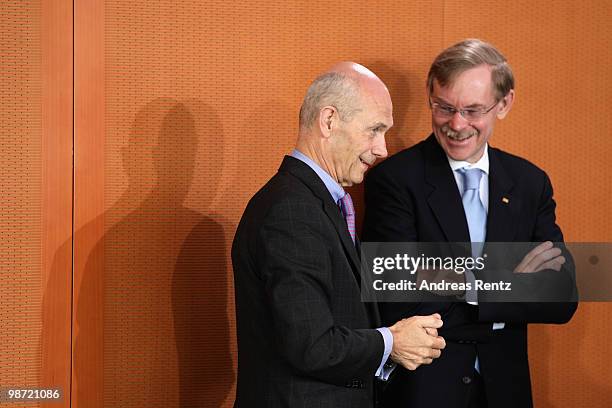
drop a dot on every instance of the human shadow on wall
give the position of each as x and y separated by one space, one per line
200 284
56 321
162 296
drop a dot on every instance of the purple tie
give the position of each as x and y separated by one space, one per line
346 205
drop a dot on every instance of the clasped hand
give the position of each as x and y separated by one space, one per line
416 341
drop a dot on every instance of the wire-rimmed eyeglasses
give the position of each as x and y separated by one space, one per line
446 111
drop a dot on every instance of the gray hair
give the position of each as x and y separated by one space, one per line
469 54
330 89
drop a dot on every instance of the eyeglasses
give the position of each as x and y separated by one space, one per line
447 111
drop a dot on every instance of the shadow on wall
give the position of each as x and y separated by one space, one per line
151 323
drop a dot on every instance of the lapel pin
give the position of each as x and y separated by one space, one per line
505 200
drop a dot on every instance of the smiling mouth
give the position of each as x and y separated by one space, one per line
458 136
365 163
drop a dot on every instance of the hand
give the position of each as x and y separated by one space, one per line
416 340
544 256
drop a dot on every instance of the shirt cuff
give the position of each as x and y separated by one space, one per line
385 369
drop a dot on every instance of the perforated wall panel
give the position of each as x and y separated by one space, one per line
20 194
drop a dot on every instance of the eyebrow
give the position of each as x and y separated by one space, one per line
443 102
378 125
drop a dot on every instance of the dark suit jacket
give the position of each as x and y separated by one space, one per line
413 196
305 339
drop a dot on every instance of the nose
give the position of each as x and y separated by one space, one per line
458 122
379 149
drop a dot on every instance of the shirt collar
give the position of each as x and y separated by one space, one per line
335 189
482 163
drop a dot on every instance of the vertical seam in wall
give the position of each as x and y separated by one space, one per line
69 396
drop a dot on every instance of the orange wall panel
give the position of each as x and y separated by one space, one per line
21 283
36 186
89 109
57 144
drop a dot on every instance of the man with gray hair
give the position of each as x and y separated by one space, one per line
454 187
305 338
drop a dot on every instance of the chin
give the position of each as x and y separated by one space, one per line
459 155
355 180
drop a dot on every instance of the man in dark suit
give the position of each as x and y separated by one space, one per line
454 187
305 338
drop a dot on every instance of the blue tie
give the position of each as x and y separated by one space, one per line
475 212
476 216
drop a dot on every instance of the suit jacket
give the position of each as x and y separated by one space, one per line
305 339
413 196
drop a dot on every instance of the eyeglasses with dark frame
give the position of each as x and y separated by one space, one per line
447 111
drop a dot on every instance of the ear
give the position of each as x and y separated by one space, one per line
328 115
506 104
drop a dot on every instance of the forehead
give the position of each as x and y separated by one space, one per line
473 86
377 106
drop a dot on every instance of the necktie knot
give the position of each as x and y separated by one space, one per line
471 178
346 205
475 213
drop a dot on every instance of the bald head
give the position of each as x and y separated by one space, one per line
344 117
342 86
354 69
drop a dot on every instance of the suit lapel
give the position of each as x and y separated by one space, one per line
502 204
335 215
331 209
443 197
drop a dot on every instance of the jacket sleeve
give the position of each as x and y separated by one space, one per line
562 283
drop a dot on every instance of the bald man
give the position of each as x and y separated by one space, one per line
305 339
